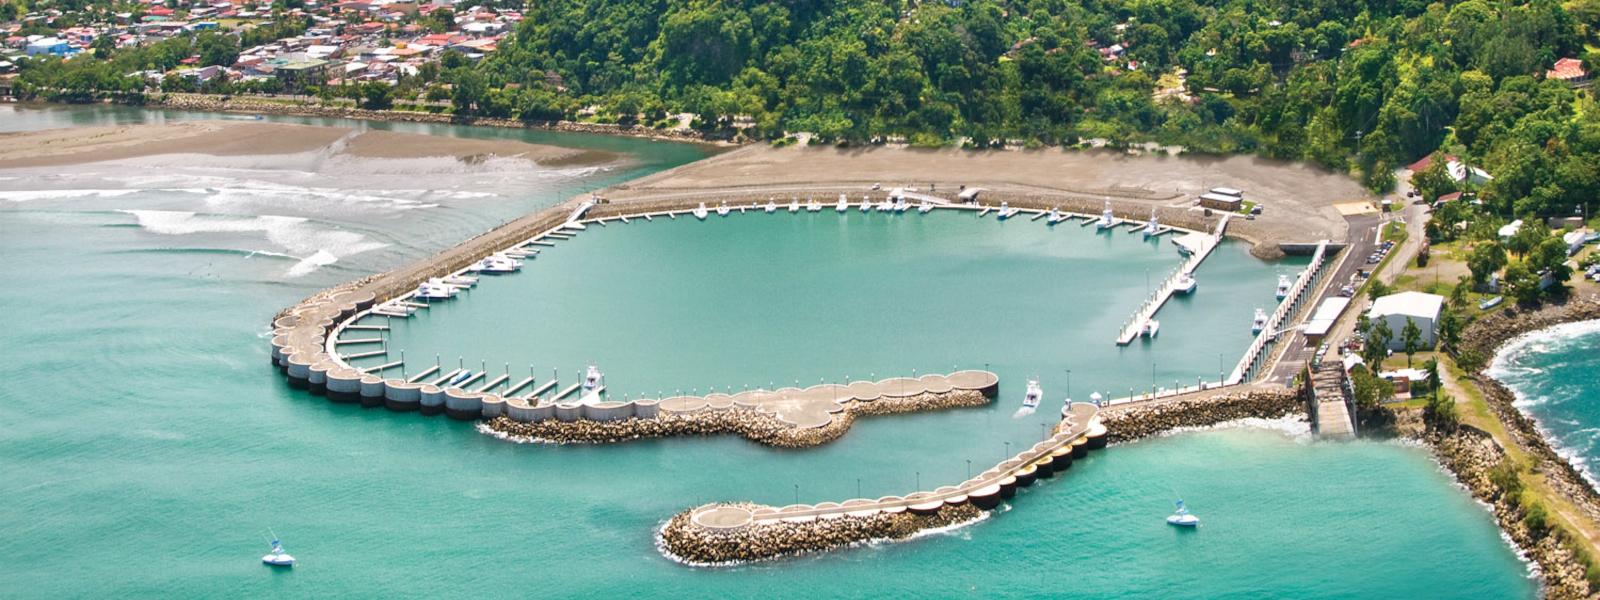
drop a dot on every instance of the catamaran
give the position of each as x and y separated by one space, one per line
1182 518
277 557
700 211
1030 400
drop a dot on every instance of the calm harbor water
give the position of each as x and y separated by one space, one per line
1555 374
148 447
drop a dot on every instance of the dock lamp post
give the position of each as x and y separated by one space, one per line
796 493
969 468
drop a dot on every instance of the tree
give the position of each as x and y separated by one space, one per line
376 95
1376 347
1449 327
1486 259
216 49
1522 283
1440 413
1551 257
1376 289
1527 237
468 91
1411 338
1369 390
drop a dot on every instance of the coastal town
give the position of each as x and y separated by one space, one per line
860 292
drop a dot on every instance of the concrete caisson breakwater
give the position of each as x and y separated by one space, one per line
728 533
749 420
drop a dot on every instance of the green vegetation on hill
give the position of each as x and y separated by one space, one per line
1363 86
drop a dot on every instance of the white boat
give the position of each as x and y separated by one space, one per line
722 209
1030 400
1151 328
886 206
497 263
700 211
593 378
464 375
925 207
1185 284
1054 217
1283 286
1153 226
771 207
1107 219
844 204
433 289
1489 303
813 206
1260 321
866 204
277 557
901 205
1182 518
794 205
1006 211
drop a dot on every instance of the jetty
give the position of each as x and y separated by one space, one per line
1198 250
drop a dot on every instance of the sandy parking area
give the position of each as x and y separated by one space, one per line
1299 201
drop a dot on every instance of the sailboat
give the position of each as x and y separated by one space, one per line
277 557
1030 401
1182 518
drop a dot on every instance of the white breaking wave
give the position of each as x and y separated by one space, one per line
313 246
1505 370
26 195
1293 426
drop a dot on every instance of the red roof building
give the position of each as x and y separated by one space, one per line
1569 70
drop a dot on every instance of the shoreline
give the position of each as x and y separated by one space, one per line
1469 454
248 105
91 144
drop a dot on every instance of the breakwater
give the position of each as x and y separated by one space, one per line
1130 422
681 540
755 424
728 533
1471 456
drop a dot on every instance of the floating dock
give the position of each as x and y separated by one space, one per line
1147 311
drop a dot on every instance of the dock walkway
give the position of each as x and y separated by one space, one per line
1147 311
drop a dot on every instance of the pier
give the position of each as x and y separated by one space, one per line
1147 311
1301 294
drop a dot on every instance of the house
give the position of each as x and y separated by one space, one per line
1569 70
1417 307
49 45
1216 201
1458 171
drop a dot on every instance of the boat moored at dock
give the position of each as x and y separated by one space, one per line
700 211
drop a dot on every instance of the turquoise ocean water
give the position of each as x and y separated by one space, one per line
1555 374
146 447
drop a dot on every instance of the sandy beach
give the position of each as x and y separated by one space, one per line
238 138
